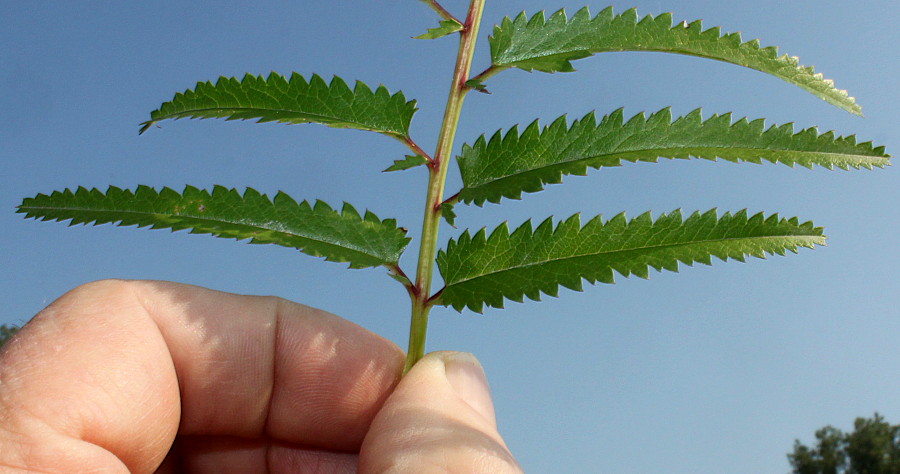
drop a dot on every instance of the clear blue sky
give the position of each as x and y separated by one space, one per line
715 369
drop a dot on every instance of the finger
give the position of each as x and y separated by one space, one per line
110 371
440 418
217 455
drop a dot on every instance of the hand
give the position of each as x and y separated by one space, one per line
120 376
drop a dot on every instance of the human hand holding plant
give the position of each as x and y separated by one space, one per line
120 376
485 267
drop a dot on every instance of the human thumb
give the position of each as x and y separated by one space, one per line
440 418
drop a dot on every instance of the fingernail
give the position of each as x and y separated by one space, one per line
467 378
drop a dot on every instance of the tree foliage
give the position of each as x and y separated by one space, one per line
873 447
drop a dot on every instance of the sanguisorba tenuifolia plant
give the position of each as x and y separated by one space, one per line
486 267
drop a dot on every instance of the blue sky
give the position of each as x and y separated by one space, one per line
714 369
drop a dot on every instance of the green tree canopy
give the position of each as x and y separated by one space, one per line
872 448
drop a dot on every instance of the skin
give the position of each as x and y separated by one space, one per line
139 376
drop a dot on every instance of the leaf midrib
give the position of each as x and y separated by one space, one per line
654 247
659 153
622 50
323 119
201 220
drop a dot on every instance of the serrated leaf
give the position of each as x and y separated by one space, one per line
317 230
477 85
409 161
448 214
549 44
445 27
513 163
484 270
276 99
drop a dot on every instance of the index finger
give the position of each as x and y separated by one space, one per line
120 367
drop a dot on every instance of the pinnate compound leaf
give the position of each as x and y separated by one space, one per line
444 28
317 230
482 270
508 165
294 100
549 44
409 161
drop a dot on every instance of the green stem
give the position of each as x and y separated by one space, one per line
436 177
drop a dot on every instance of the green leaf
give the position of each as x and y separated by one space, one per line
409 161
508 165
548 45
445 28
317 230
276 99
448 214
483 270
477 85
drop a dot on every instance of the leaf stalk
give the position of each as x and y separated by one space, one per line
421 303
452 199
487 73
417 150
434 5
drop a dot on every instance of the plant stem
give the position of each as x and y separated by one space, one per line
436 177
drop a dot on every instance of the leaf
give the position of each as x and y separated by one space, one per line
409 161
548 45
483 270
276 99
448 214
317 230
508 165
445 28
477 85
